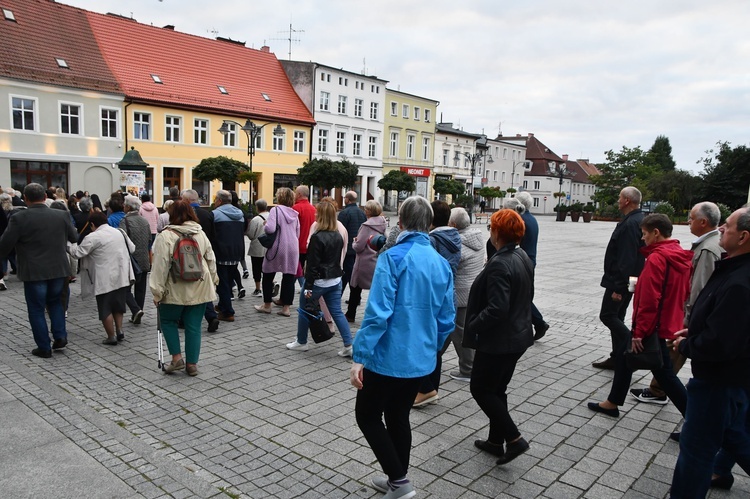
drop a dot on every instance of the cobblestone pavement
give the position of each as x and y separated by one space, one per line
261 421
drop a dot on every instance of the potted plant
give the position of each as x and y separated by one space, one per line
562 212
588 212
575 211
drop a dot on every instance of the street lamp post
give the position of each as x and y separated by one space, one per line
513 174
560 171
474 159
253 132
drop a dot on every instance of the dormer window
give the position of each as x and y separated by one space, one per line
9 15
62 63
157 79
265 97
222 90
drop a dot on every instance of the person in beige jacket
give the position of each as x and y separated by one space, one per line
177 299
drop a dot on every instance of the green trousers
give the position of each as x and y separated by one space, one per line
191 316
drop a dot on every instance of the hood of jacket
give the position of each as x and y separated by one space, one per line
671 250
288 213
472 238
448 237
228 213
148 206
187 228
376 223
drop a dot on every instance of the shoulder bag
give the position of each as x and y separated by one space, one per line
650 357
136 268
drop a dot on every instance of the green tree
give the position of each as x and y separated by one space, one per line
679 187
627 167
328 174
396 180
449 187
220 168
491 193
661 153
726 174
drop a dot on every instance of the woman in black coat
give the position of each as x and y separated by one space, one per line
498 327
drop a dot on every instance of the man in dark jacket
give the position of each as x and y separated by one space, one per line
351 218
229 248
39 235
206 219
139 231
622 260
717 343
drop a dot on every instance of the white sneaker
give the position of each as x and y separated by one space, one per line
3 287
297 346
346 352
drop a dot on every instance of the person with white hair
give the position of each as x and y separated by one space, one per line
138 230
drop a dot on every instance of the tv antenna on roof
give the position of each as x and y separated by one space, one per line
291 38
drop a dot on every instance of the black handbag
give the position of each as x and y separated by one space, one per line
266 240
650 357
318 326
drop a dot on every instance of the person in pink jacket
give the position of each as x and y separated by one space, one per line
151 214
364 265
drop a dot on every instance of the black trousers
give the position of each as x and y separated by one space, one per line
287 287
612 315
257 264
137 299
390 398
490 377
347 268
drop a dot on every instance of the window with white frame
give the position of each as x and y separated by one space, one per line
393 151
278 142
425 148
536 202
525 184
340 142
503 178
342 104
110 122
410 140
373 110
372 146
494 175
322 140
142 126
514 154
405 111
299 141
417 113
70 119
230 138
259 139
505 153
446 155
537 184
358 104
486 174
324 98
172 131
200 131
394 108
427 115
23 110
357 144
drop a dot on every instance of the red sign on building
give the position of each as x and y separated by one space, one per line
416 172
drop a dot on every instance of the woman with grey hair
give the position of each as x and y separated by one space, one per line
364 264
81 218
164 217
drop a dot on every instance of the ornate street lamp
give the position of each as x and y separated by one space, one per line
473 160
526 164
560 171
253 132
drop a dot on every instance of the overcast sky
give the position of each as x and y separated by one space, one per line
584 76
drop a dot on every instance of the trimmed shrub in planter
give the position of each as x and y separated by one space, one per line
588 213
665 209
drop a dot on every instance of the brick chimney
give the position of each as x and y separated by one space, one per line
265 48
565 157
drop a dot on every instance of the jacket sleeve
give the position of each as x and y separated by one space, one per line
498 300
210 259
160 263
314 252
255 228
83 249
359 244
628 254
270 226
379 310
72 233
447 314
649 289
703 267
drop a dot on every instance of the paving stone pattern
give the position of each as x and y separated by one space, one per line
261 421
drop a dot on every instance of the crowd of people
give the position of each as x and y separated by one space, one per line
433 282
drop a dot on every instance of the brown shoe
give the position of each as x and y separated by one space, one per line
191 369
226 318
174 366
608 363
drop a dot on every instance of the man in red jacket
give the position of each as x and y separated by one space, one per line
306 219
660 295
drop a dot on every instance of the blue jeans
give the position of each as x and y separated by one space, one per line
716 418
41 295
224 289
332 297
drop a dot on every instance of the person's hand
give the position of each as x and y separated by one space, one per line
355 375
308 293
637 345
616 296
679 337
156 303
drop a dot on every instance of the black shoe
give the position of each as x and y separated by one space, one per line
45 354
540 331
110 341
513 451
722 482
494 449
245 274
120 336
59 344
609 363
213 325
676 437
349 318
241 294
615 413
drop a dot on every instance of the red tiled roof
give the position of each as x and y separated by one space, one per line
46 30
192 67
540 156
